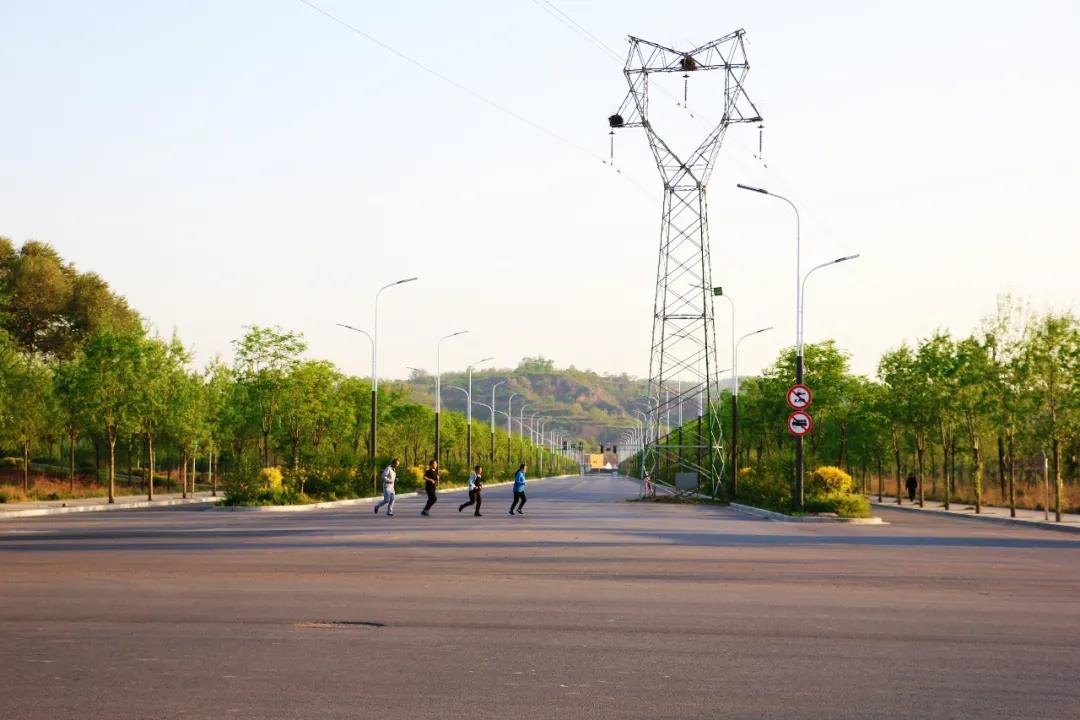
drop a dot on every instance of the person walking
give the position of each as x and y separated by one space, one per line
476 484
431 480
519 490
389 477
912 485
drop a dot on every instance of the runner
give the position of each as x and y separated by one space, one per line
431 480
519 490
476 483
389 476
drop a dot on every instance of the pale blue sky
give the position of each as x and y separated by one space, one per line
237 162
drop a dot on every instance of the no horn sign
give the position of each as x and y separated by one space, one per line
799 397
800 423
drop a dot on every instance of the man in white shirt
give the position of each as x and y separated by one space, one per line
389 476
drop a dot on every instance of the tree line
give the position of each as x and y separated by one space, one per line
83 381
970 416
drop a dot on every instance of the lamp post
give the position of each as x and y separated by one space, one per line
735 411
468 425
374 338
509 426
521 422
798 340
438 390
501 382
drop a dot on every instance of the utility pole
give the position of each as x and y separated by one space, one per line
683 325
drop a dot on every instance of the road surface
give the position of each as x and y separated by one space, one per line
588 606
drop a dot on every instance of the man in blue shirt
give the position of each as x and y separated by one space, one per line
519 491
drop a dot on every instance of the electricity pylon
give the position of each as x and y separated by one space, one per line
684 335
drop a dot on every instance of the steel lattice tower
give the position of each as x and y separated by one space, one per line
682 365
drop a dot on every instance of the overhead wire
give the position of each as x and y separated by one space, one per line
469 91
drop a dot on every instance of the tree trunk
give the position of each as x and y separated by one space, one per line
843 444
976 471
72 435
26 466
150 466
111 439
295 449
1056 451
920 454
896 458
880 481
1001 463
1012 483
183 474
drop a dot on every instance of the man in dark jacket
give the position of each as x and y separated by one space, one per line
431 480
912 485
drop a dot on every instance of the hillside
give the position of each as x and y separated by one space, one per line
584 404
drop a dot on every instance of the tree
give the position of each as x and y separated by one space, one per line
107 373
264 358
1051 363
27 392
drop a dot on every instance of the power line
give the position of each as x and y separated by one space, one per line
474 94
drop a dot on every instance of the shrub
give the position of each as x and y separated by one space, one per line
270 478
845 506
829 480
10 462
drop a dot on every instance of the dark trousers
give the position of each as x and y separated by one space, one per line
911 493
519 497
429 488
474 499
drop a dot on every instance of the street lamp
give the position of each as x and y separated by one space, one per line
509 426
501 382
735 411
438 390
468 440
802 292
798 334
374 337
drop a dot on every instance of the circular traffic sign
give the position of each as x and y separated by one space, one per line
799 397
800 423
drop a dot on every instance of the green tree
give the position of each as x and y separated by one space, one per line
264 359
1051 364
107 373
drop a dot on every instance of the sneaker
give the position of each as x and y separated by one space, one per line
511 512
424 512
389 514
477 515
460 508
376 509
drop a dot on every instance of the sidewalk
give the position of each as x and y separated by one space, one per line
99 504
1070 522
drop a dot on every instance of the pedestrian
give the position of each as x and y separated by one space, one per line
431 479
389 477
476 484
912 485
519 490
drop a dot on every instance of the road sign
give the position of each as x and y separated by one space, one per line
799 397
800 423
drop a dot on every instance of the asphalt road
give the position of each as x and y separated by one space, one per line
588 606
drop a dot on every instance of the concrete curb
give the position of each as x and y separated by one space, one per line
1015 522
781 517
105 507
356 501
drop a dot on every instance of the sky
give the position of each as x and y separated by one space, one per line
224 164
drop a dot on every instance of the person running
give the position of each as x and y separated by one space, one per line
431 480
389 477
476 484
519 490
912 484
